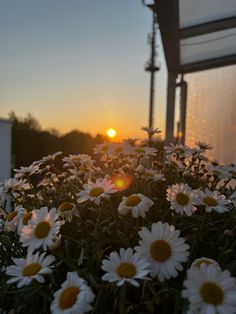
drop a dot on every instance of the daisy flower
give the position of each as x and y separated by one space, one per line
24 221
210 290
218 171
13 219
101 148
47 159
151 174
148 151
182 198
78 160
96 191
27 269
137 204
178 149
203 145
164 249
212 201
26 171
150 130
74 297
41 228
204 260
125 267
67 210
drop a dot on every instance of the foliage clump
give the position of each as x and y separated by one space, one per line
130 227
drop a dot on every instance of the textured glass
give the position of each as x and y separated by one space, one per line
211 111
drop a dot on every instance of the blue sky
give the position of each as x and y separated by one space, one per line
78 64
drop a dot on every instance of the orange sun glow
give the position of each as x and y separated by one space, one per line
111 132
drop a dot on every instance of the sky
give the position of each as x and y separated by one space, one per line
78 64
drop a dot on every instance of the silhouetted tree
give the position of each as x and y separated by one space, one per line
30 142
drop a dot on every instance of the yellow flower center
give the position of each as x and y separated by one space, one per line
133 200
160 250
182 199
64 207
148 174
210 201
26 218
96 191
31 269
68 297
139 150
12 215
126 270
76 159
212 293
203 261
42 229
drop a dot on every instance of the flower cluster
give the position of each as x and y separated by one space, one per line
135 228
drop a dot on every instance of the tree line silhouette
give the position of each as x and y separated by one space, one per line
30 142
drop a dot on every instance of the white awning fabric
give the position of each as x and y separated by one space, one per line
197 34
210 44
195 12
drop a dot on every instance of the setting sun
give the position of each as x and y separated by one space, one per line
111 133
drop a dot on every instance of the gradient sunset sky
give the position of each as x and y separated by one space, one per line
78 64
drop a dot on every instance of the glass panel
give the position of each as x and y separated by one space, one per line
211 114
194 12
208 46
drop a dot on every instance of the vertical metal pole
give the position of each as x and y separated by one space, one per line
152 72
183 108
170 108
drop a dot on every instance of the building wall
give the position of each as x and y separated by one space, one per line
5 149
211 111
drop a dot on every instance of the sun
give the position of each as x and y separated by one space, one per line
111 132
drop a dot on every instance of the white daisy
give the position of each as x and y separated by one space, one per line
150 130
203 145
74 297
212 200
47 159
13 219
152 175
24 221
41 228
119 148
141 150
210 290
125 267
27 269
164 249
67 210
178 149
26 171
137 204
218 171
78 160
182 198
204 260
96 191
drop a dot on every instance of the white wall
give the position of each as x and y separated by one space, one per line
5 149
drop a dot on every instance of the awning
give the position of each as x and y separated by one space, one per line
197 34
